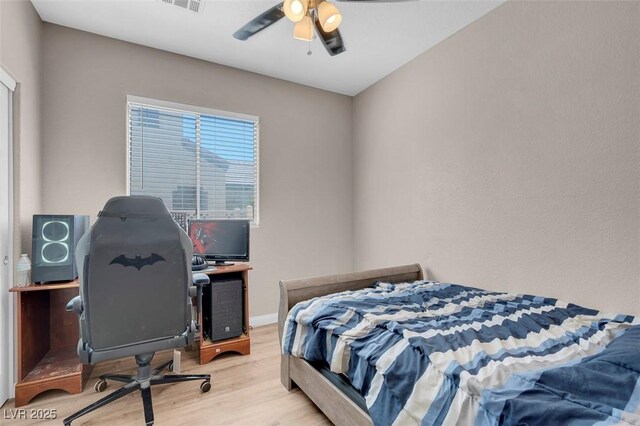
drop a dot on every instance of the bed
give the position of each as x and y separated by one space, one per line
386 346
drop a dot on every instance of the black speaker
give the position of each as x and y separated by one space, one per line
223 309
54 242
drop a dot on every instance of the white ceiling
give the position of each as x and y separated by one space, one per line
379 37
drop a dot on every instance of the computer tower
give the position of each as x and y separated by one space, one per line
54 242
223 309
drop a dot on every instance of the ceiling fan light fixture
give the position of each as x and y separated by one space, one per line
303 30
329 16
295 10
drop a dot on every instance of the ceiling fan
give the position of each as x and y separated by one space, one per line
307 15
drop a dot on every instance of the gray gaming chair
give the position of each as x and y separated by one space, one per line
135 295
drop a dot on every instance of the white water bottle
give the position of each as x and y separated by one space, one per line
24 271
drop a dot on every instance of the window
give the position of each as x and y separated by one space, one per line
202 163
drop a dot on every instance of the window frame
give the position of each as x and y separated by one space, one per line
179 107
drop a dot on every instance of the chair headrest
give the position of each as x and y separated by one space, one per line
134 205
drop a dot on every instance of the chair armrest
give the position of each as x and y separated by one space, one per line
198 280
75 305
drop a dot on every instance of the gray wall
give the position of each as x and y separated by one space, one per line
305 175
508 155
20 56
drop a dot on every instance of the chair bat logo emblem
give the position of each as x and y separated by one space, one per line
138 261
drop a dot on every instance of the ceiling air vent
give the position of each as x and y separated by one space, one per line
194 6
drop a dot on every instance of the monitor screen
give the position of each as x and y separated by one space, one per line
220 239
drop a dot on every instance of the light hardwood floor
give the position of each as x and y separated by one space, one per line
246 391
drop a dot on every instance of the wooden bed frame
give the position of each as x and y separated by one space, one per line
295 371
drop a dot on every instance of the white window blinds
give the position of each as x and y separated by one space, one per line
202 163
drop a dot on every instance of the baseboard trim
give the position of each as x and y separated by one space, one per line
260 320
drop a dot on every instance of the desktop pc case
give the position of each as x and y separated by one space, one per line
223 308
54 242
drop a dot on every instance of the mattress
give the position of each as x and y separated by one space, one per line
441 353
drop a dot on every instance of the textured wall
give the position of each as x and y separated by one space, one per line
508 155
305 175
20 56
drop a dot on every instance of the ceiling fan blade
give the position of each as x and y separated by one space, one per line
260 22
332 41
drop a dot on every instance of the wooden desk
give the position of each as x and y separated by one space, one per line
47 341
48 336
242 343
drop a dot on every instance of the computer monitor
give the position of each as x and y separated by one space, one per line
220 239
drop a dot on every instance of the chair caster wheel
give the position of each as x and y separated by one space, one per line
100 385
205 386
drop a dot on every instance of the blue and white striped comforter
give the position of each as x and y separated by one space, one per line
433 353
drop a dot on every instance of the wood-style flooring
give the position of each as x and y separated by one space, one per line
246 391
